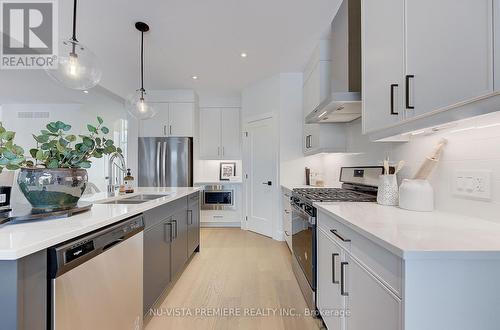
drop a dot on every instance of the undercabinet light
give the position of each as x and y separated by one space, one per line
324 113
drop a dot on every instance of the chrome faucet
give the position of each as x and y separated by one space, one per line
114 179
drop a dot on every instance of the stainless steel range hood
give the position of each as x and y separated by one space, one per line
344 102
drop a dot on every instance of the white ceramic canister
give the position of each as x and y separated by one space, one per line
387 190
416 195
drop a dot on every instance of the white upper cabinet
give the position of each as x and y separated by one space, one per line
220 133
423 57
156 126
383 63
210 127
317 83
181 119
230 133
449 52
171 119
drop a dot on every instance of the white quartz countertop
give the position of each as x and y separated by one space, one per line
20 239
411 234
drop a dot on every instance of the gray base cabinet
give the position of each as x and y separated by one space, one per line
178 252
156 261
171 236
193 223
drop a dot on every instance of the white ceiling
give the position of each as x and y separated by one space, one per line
187 37
199 37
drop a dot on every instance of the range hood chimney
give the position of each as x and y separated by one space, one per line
344 102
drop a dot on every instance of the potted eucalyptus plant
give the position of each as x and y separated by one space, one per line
56 176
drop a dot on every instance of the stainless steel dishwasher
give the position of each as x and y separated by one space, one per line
96 280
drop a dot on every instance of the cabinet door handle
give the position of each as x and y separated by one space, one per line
170 232
393 104
334 281
286 233
170 129
343 291
342 238
165 130
190 215
175 231
222 151
408 105
218 151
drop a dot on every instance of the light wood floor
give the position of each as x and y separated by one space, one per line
240 270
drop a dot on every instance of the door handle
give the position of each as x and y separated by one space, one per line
175 222
268 183
164 165
218 151
342 238
165 130
334 281
170 129
408 105
286 233
343 292
170 232
222 151
393 112
158 169
190 215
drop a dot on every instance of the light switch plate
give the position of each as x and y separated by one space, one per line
472 184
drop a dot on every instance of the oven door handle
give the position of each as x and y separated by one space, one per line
303 214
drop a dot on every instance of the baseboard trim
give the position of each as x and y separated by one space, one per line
221 224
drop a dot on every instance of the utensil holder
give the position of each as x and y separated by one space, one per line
388 193
416 195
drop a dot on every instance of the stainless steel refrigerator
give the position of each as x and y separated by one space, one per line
165 162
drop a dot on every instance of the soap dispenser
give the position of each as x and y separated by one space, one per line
129 182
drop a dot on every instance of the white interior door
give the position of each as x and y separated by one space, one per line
261 181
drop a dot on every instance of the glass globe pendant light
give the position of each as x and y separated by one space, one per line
136 103
77 66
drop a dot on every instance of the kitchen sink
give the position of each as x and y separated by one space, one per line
145 197
136 199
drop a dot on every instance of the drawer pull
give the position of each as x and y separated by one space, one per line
393 104
343 292
334 281
342 238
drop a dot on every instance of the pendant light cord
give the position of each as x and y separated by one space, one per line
74 22
73 38
142 64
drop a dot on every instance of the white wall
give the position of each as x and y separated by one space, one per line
77 115
473 144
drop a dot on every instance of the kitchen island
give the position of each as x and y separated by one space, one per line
25 289
392 269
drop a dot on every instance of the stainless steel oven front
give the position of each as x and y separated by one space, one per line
218 197
304 249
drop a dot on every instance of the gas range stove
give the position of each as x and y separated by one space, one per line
359 184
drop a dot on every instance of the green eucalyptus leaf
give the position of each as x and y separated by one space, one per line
105 130
99 119
66 128
33 152
88 142
2 129
84 164
12 167
42 138
108 143
4 161
9 154
71 138
39 155
91 128
53 163
63 142
45 146
60 125
119 150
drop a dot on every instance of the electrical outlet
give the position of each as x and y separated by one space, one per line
472 184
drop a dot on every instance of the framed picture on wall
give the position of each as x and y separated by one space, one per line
227 171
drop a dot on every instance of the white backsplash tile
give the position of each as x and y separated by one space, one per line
473 144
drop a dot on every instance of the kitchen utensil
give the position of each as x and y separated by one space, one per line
401 164
387 189
386 165
430 161
416 195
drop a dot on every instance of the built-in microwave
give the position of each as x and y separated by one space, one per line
218 197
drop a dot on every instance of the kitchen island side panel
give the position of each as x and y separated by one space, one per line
23 293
